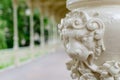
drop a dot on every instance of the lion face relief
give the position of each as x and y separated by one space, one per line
82 35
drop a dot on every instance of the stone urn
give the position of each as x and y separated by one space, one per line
91 36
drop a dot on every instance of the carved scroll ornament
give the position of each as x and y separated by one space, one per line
82 36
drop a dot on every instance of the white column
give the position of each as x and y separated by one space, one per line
49 32
48 25
15 27
42 36
31 30
15 23
54 27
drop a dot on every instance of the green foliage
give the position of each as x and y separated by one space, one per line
2 34
6 63
6 19
23 25
6 22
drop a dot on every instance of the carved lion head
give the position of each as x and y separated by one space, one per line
82 35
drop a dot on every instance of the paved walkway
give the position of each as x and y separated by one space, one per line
48 67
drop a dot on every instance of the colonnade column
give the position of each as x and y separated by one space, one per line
31 29
31 13
54 28
49 32
15 33
49 28
42 33
15 20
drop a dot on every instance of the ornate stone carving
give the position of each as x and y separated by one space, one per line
82 36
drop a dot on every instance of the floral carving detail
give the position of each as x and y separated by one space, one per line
82 37
111 71
88 76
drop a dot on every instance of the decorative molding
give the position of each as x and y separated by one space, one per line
82 36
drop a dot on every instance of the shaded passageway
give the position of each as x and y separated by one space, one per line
30 30
48 67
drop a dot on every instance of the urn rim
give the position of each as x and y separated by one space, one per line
73 4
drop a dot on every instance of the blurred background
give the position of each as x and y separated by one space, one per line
30 47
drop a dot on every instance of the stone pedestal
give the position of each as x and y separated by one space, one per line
90 34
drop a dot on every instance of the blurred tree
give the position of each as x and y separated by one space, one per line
6 24
23 25
2 34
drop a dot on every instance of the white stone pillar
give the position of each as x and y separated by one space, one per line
54 27
42 36
31 29
15 36
15 23
49 33
48 25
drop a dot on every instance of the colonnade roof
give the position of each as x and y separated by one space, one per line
54 8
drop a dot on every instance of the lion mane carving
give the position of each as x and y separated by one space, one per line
82 37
